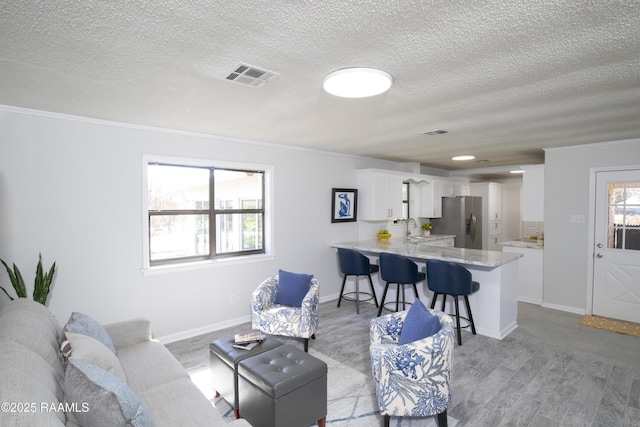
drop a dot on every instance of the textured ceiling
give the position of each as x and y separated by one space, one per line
505 79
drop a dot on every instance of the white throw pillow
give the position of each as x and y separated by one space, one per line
84 347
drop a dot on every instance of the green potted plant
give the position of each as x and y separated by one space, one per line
41 285
426 228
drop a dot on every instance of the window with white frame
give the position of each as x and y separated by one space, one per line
200 212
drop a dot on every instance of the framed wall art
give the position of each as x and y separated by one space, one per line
344 205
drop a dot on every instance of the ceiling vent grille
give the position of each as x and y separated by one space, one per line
435 132
249 75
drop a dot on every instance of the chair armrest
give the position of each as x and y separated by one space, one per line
311 299
388 353
129 332
386 329
265 294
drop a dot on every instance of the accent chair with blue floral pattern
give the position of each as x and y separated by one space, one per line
412 380
282 320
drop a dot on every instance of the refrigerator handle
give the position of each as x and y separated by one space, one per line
473 227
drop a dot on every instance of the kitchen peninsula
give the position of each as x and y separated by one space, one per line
494 306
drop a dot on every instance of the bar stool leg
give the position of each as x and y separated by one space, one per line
455 298
444 299
433 300
342 289
397 297
473 325
404 298
373 291
357 294
384 295
415 291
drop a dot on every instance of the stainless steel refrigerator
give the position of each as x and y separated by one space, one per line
462 216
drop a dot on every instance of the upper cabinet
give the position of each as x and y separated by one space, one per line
379 195
533 193
425 199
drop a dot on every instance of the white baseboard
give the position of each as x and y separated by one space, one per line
203 330
574 310
221 325
530 300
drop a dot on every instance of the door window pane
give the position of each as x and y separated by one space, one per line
624 216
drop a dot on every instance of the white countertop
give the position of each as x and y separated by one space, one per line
421 238
490 259
525 243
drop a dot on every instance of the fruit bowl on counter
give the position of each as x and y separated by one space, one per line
383 235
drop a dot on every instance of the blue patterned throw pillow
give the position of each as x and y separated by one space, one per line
418 324
292 287
80 323
101 398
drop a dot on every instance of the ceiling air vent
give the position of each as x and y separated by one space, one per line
435 132
251 76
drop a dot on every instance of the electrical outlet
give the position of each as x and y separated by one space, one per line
576 219
232 299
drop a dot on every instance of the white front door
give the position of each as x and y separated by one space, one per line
616 275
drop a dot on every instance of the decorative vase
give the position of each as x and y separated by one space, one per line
426 233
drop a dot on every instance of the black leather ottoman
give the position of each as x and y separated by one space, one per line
224 359
283 387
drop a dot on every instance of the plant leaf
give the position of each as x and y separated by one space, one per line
42 282
5 291
16 280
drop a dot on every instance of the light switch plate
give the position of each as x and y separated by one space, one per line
576 219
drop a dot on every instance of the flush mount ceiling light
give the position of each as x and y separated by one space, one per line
357 82
460 158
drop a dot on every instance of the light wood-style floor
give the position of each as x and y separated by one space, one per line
551 371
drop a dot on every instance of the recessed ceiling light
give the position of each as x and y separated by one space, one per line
517 171
466 157
357 82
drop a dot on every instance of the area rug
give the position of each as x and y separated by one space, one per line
351 398
618 326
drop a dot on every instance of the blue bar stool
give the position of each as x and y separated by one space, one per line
402 271
353 263
449 278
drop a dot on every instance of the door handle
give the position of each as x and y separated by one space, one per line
599 255
473 227
599 245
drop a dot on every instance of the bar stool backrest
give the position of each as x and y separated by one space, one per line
444 277
398 269
353 262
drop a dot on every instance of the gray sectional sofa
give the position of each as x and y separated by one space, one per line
141 384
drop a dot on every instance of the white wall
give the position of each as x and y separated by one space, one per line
71 188
566 252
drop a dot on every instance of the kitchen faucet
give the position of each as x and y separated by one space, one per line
406 226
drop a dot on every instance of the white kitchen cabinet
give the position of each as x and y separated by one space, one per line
448 189
530 273
494 243
461 189
379 195
495 201
491 193
425 199
533 193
